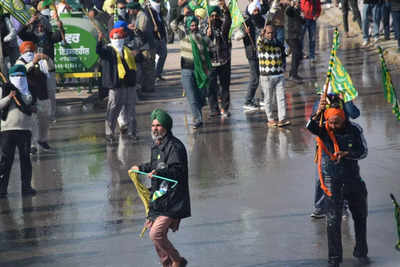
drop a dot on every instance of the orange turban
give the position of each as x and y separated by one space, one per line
120 32
330 112
25 46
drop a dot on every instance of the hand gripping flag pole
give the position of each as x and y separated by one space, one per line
143 192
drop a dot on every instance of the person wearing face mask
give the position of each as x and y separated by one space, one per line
16 105
254 24
218 32
170 204
122 14
159 36
42 35
37 76
119 76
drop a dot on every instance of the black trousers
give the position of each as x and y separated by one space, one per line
356 13
9 141
295 46
254 80
355 192
223 74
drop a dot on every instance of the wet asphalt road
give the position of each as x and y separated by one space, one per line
251 187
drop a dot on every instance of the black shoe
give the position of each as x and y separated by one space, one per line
123 130
44 146
197 125
3 195
28 192
365 260
214 114
110 139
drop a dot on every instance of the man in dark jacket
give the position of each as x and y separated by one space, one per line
119 76
340 145
169 203
293 33
254 22
218 32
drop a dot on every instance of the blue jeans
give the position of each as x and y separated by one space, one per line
382 13
310 26
368 10
193 94
396 26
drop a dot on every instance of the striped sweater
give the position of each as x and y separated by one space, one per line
271 57
187 60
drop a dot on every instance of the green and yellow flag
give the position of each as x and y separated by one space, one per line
397 219
337 76
237 18
340 82
389 90
17 9
143 193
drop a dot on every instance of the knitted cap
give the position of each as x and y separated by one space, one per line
212 9
163 118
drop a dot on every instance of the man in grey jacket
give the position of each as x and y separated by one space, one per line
16 124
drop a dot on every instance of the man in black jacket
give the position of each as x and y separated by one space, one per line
169 202
218 32
254 25
293 32
119 76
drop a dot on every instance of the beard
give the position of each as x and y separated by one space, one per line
216 23
157 136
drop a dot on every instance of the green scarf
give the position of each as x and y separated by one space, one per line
199 73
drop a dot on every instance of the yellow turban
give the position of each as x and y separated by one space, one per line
200 12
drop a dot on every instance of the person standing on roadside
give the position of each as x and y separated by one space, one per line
272 58
218 33
293 33
311 10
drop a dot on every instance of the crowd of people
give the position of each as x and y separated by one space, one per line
132 47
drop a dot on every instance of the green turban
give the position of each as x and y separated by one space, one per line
163 118
189 21
133 5
212 9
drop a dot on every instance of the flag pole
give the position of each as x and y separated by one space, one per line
158 177
329 72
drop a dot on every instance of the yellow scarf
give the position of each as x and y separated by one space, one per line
129 59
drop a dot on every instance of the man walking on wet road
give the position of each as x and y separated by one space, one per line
169 203
340 145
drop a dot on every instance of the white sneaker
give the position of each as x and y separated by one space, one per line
365 43
376 39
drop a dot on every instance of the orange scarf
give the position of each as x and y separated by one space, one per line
321 146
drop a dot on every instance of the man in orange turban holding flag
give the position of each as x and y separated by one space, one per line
340 145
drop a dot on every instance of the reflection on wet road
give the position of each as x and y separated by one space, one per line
251 186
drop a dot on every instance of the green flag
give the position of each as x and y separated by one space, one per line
397 219
17 9
390 92
237 18
340 82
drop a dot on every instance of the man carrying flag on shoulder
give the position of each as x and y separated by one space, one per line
340 145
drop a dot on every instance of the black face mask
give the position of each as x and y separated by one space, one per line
258 20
